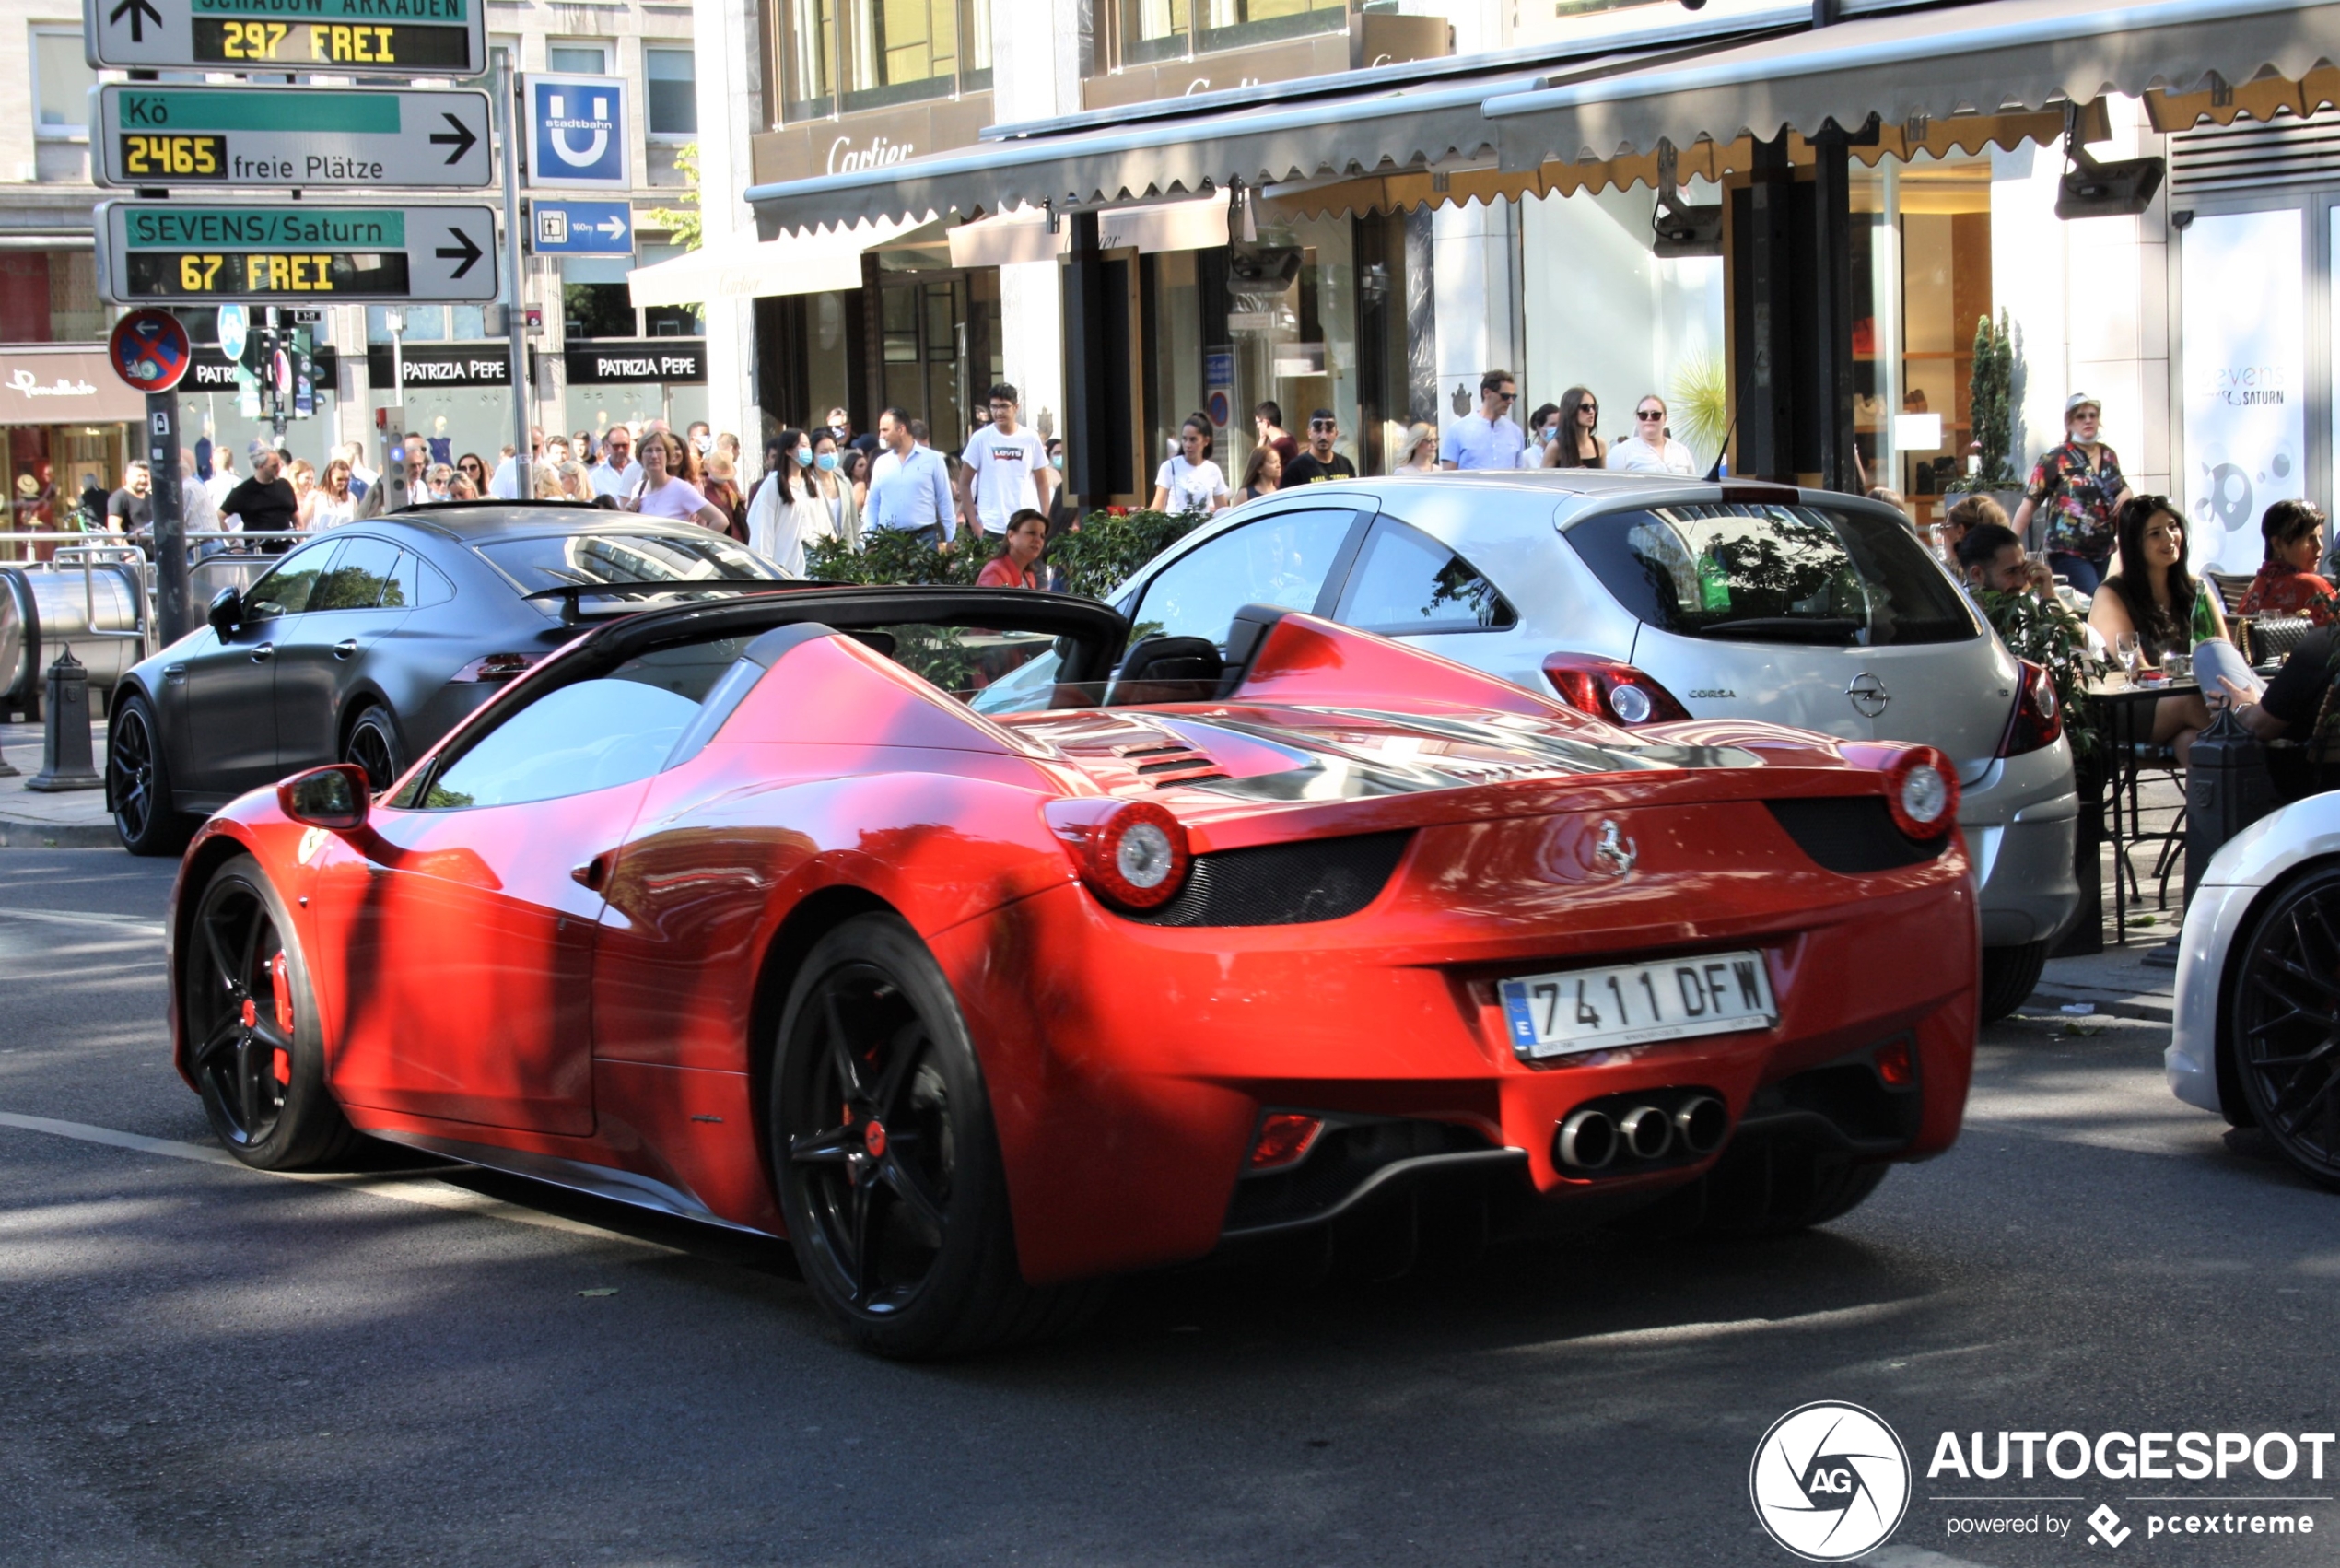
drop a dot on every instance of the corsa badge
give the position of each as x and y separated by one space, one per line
1615 853
311 842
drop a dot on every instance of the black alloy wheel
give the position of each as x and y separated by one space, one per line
889 1168
2284 1035
138 785
250 1022
373 746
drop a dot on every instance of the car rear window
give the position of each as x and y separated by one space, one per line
1765 573
555 560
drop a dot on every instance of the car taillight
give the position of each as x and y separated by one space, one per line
496 666
2038 717
1922 790
1284 1139
1137 857
1611 690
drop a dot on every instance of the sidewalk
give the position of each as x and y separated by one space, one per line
74 820
2117 982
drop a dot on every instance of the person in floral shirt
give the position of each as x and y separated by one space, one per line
2287 584
2079 487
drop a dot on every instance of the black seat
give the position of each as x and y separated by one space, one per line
1169 668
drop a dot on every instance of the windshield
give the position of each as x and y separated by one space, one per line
555 560
1765 573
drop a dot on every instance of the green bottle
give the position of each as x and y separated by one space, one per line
1713 586
2205 619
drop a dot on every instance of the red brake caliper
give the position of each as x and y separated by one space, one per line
280 981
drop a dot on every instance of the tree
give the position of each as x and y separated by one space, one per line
682 222
1991 408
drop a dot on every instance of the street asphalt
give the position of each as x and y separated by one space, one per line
204 1365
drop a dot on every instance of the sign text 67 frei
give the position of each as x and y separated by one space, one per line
163 252
383 37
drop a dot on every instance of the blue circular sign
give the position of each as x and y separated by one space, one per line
149 350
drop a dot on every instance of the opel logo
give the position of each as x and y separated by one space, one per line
1869 694
1615 852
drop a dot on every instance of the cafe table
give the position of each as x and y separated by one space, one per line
2124 712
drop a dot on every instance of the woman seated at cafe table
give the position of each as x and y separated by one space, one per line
2150 601
2287 583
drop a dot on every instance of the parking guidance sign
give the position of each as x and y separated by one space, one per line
277 137
346 37
182 251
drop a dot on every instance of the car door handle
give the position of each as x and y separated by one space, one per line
592 874
263 653
345 648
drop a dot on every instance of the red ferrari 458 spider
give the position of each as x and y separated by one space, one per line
983 956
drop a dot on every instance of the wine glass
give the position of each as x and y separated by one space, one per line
2131 652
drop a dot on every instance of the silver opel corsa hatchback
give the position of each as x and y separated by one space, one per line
1647 599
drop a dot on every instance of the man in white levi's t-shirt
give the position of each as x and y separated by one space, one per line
1004 470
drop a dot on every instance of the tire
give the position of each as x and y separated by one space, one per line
2283 1015
138 782
1775 1191
373 746
2009 976
904 1234
263 1086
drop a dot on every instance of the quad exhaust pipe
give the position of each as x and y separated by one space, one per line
1590 1137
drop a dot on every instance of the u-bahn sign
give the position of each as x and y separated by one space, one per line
275 137
342 38
199 252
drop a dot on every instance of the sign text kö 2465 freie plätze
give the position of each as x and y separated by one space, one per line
272 137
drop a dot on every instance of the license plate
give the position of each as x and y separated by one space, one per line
1632 1004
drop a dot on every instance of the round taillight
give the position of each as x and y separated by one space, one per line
1923 792
1137 857
1630 703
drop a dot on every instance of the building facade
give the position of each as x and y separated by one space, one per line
1371 260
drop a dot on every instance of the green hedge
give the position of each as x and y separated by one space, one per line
1097 556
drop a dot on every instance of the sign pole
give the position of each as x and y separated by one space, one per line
169 518
515 316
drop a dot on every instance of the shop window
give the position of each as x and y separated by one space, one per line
596 310
883 51
61 80
1154 30
578 59
75 309
672 91
1240 24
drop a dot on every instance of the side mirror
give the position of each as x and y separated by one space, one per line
333 797
226 611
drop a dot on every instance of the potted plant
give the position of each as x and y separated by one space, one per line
1991 416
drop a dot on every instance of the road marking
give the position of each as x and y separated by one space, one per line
428 1191
110 922
1698 1333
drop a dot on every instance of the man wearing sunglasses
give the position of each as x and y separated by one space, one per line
1651 449
1319 462
1488 438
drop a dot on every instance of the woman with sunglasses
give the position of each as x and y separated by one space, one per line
1651 449
470 466
1577 444
2080 486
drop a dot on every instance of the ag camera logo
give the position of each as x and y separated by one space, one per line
1830 1481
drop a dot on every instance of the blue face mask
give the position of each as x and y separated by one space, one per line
826 460
805 457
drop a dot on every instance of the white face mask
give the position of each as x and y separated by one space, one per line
704 443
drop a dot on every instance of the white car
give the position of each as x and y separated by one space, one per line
2257 1034
1642 598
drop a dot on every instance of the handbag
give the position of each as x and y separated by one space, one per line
2270 640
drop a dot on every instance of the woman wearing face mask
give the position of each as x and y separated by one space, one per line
836 490
1543 425
789 513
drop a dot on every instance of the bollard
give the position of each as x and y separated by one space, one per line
65 751
2226 789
